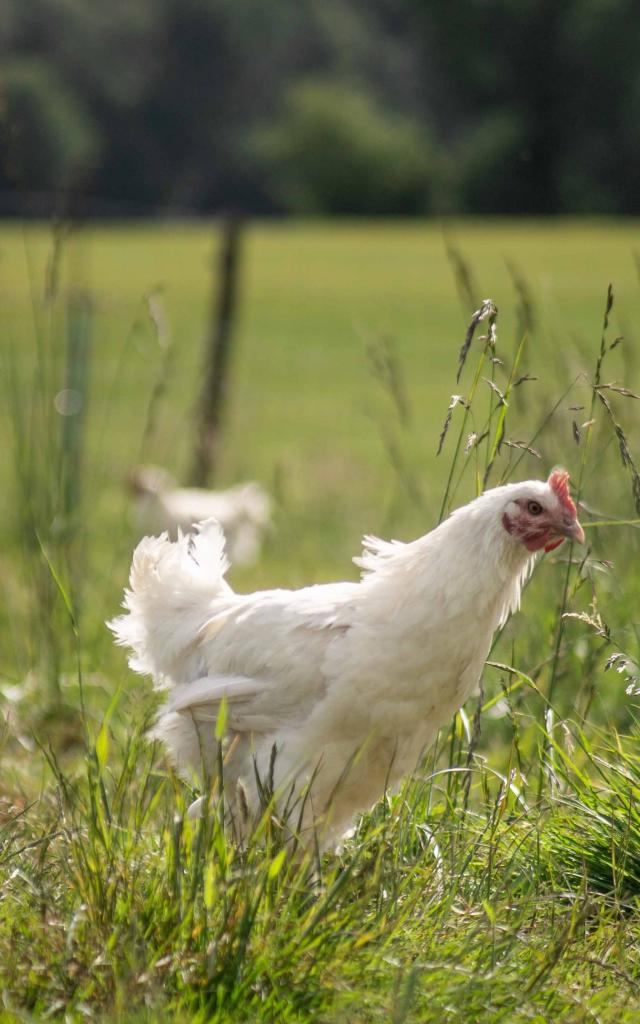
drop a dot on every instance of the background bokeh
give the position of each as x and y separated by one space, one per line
322 106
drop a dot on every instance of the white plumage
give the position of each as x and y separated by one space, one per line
243 511
349 681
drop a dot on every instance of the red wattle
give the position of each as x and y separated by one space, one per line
554 544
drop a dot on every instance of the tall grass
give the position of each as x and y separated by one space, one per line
46 394
497 885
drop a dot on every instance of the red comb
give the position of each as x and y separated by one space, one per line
559 483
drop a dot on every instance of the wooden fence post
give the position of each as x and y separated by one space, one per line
216 360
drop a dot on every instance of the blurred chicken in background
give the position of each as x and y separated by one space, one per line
243 511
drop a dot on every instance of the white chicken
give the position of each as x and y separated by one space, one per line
243 511
349 682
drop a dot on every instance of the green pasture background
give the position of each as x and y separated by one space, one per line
306 416
510 897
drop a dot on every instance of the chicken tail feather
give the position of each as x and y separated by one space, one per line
172 585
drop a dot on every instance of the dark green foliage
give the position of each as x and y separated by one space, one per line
485 107
49 140
334 152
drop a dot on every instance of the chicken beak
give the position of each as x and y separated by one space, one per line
573 531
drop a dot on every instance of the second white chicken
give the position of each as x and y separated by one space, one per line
243 511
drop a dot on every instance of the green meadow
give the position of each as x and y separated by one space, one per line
503 882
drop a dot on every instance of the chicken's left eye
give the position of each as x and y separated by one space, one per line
535 508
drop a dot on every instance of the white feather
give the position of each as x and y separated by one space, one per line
210 691
172 585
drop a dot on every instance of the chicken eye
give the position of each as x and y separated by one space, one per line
534 507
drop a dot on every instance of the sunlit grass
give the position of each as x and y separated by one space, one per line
499 885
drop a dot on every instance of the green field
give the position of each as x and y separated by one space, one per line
515 900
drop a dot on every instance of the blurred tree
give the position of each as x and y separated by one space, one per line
598 108
334 151
69 65
174 88
465 105
50 140
537 102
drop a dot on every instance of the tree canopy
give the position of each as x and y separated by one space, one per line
323 106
